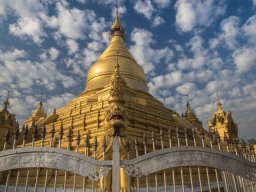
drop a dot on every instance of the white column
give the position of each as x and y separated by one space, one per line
116 166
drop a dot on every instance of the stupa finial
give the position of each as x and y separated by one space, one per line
219 104
117 28
117 8
187 96
6 102
41 99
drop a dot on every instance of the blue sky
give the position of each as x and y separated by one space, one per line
197 47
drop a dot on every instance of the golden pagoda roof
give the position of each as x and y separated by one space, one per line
39 111
189 113
191 117
7 120
100 72
4 113
223 122
117 28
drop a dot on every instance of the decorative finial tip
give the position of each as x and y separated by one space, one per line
187 96
41 99
6 102
117 8
117 28
219 104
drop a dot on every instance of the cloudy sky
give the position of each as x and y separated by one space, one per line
197 47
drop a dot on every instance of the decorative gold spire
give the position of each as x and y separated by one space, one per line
117 28
117 81
219 104
6 102
223 122
189 113
188 105
4 113
39 111
191 116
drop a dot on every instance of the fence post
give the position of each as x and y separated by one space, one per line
116 165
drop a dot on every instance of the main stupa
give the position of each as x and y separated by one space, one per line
115 91
115 101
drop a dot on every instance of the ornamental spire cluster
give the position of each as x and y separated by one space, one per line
117 81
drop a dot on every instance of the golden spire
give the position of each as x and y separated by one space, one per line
187 101
189 112
117 28
117 81
219 105
39 111
191 117
6 102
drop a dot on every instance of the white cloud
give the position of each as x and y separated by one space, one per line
186 88
196 44
216 85
244 59
72 45
254 2
22 8
201 57
198 13
249 29
162 3
12 55
81 1
51 54
121 10
2 8
28 24
22 106
144 54
108 2
28 27
54 53
186 16
161 82
73 22
230 31
157 21
144 7
58 101
24 74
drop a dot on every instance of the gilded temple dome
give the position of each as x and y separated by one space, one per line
100 72
39 111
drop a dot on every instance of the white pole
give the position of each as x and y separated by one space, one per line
116 166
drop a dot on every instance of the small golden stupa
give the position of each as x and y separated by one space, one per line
191 117
223 122
7 120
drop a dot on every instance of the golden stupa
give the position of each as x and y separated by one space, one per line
223 122
115 101
7 120
115 93
91 110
